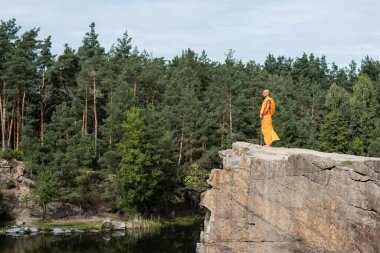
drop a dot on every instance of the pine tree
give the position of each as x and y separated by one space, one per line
63 77
8 36
45 62
169 191
335 133
364 119
122 101
92 57
46 190
135 179
337 98
21 84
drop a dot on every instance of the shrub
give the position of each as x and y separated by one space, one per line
12 154
10 184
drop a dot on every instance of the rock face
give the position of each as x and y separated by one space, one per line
292 200
14 197
14 171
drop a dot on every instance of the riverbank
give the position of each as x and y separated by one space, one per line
169 239
133 222
94 224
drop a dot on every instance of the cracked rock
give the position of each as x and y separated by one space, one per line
291 200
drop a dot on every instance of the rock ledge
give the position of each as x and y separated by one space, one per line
292 200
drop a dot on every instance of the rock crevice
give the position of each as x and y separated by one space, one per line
291 200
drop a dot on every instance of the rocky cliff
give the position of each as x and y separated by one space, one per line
292 200
15 187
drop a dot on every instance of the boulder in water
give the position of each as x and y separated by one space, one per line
112 225
57 231
118 225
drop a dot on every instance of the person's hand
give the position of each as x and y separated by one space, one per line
261 116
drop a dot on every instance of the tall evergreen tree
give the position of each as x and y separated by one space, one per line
91 59
364 118
136 179
45 61
335 133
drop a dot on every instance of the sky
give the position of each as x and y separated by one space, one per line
340 30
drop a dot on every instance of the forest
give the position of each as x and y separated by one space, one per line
149 129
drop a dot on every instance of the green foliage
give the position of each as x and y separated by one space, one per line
357 146
196 180
10 184
7 155
12 154
136 178
335 133
150 124
46 190
374 148
364 115
18 155
337 98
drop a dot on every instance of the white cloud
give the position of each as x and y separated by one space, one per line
341 30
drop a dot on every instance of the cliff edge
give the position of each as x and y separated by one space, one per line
291 200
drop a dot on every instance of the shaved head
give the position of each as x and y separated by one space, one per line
266 92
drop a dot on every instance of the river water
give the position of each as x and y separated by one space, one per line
172 239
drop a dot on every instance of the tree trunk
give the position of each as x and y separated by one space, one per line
2 124
86 113
181 146
134 88
230 113
44 212
95 117
17 125
23 122
42 107
10 130
84 124
15 130
111 101
222 131
312 108
42 118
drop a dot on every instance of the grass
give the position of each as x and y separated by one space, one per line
140 222
82 225
346 163
10 184
134 222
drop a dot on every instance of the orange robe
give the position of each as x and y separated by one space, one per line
266 123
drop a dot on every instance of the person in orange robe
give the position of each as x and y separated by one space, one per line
267 110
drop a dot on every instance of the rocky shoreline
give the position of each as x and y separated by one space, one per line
24 229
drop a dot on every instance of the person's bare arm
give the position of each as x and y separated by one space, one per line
266 109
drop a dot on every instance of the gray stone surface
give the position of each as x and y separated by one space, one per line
292 200
109 224
32 230
106 224
118 225
14 230
57 231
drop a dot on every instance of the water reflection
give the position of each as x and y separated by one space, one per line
168 240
